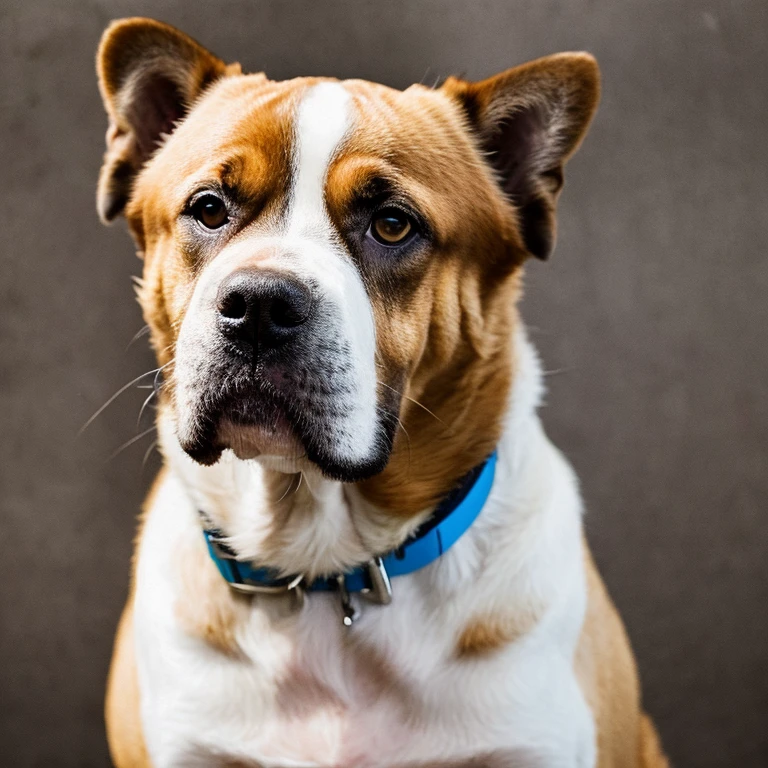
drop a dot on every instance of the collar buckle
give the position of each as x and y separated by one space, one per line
246 586
249 587
296 588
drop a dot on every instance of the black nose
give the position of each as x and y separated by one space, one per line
261 307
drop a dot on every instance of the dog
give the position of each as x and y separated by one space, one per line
362 550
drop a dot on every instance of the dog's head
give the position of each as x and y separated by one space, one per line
321 254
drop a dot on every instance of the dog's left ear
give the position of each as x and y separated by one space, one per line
150 74
529 120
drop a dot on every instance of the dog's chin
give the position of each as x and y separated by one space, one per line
272 443
256 441
277 445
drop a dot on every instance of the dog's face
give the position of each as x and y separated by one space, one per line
320 253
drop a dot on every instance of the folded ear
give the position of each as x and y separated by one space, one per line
149 75
529 121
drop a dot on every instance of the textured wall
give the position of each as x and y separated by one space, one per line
651 317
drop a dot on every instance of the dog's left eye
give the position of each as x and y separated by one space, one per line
391 227
210 211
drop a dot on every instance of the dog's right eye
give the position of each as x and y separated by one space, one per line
210 211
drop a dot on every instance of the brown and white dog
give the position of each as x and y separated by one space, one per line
331 272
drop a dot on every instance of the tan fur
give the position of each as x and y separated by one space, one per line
123 718
169 272
208 610
485 634
607 673
651 753
122 707
447 331
443 324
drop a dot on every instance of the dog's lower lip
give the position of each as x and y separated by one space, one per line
258 428
253 424
249 441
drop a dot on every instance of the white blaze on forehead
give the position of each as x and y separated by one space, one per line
324 118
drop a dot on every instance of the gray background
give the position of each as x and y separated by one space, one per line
651 316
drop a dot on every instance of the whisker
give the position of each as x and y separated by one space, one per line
129 443
143 331
113 398
151 448
557 371
287 490
155 385
408 437
415 402
144 405
400 424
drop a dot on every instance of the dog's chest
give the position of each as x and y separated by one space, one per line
390 692
308 692
323 699
333 696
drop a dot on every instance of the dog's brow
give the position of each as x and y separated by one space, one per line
374 186
230 171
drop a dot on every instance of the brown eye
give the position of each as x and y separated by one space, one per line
210 211
391 227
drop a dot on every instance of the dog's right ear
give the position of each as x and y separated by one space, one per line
149 75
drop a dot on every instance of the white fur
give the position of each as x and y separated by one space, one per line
325 116
525 549
322 122
307 245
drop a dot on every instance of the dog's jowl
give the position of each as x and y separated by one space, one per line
362 551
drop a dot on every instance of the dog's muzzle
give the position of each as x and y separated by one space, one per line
270 364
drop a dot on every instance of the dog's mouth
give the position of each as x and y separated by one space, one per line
285 430
252 423
269 435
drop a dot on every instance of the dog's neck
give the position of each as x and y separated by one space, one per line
309 524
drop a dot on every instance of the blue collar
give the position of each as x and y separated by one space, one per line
451 519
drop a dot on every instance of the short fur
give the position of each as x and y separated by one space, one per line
507 651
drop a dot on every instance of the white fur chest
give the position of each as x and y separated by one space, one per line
305 691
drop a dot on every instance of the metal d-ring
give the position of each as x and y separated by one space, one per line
381 587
